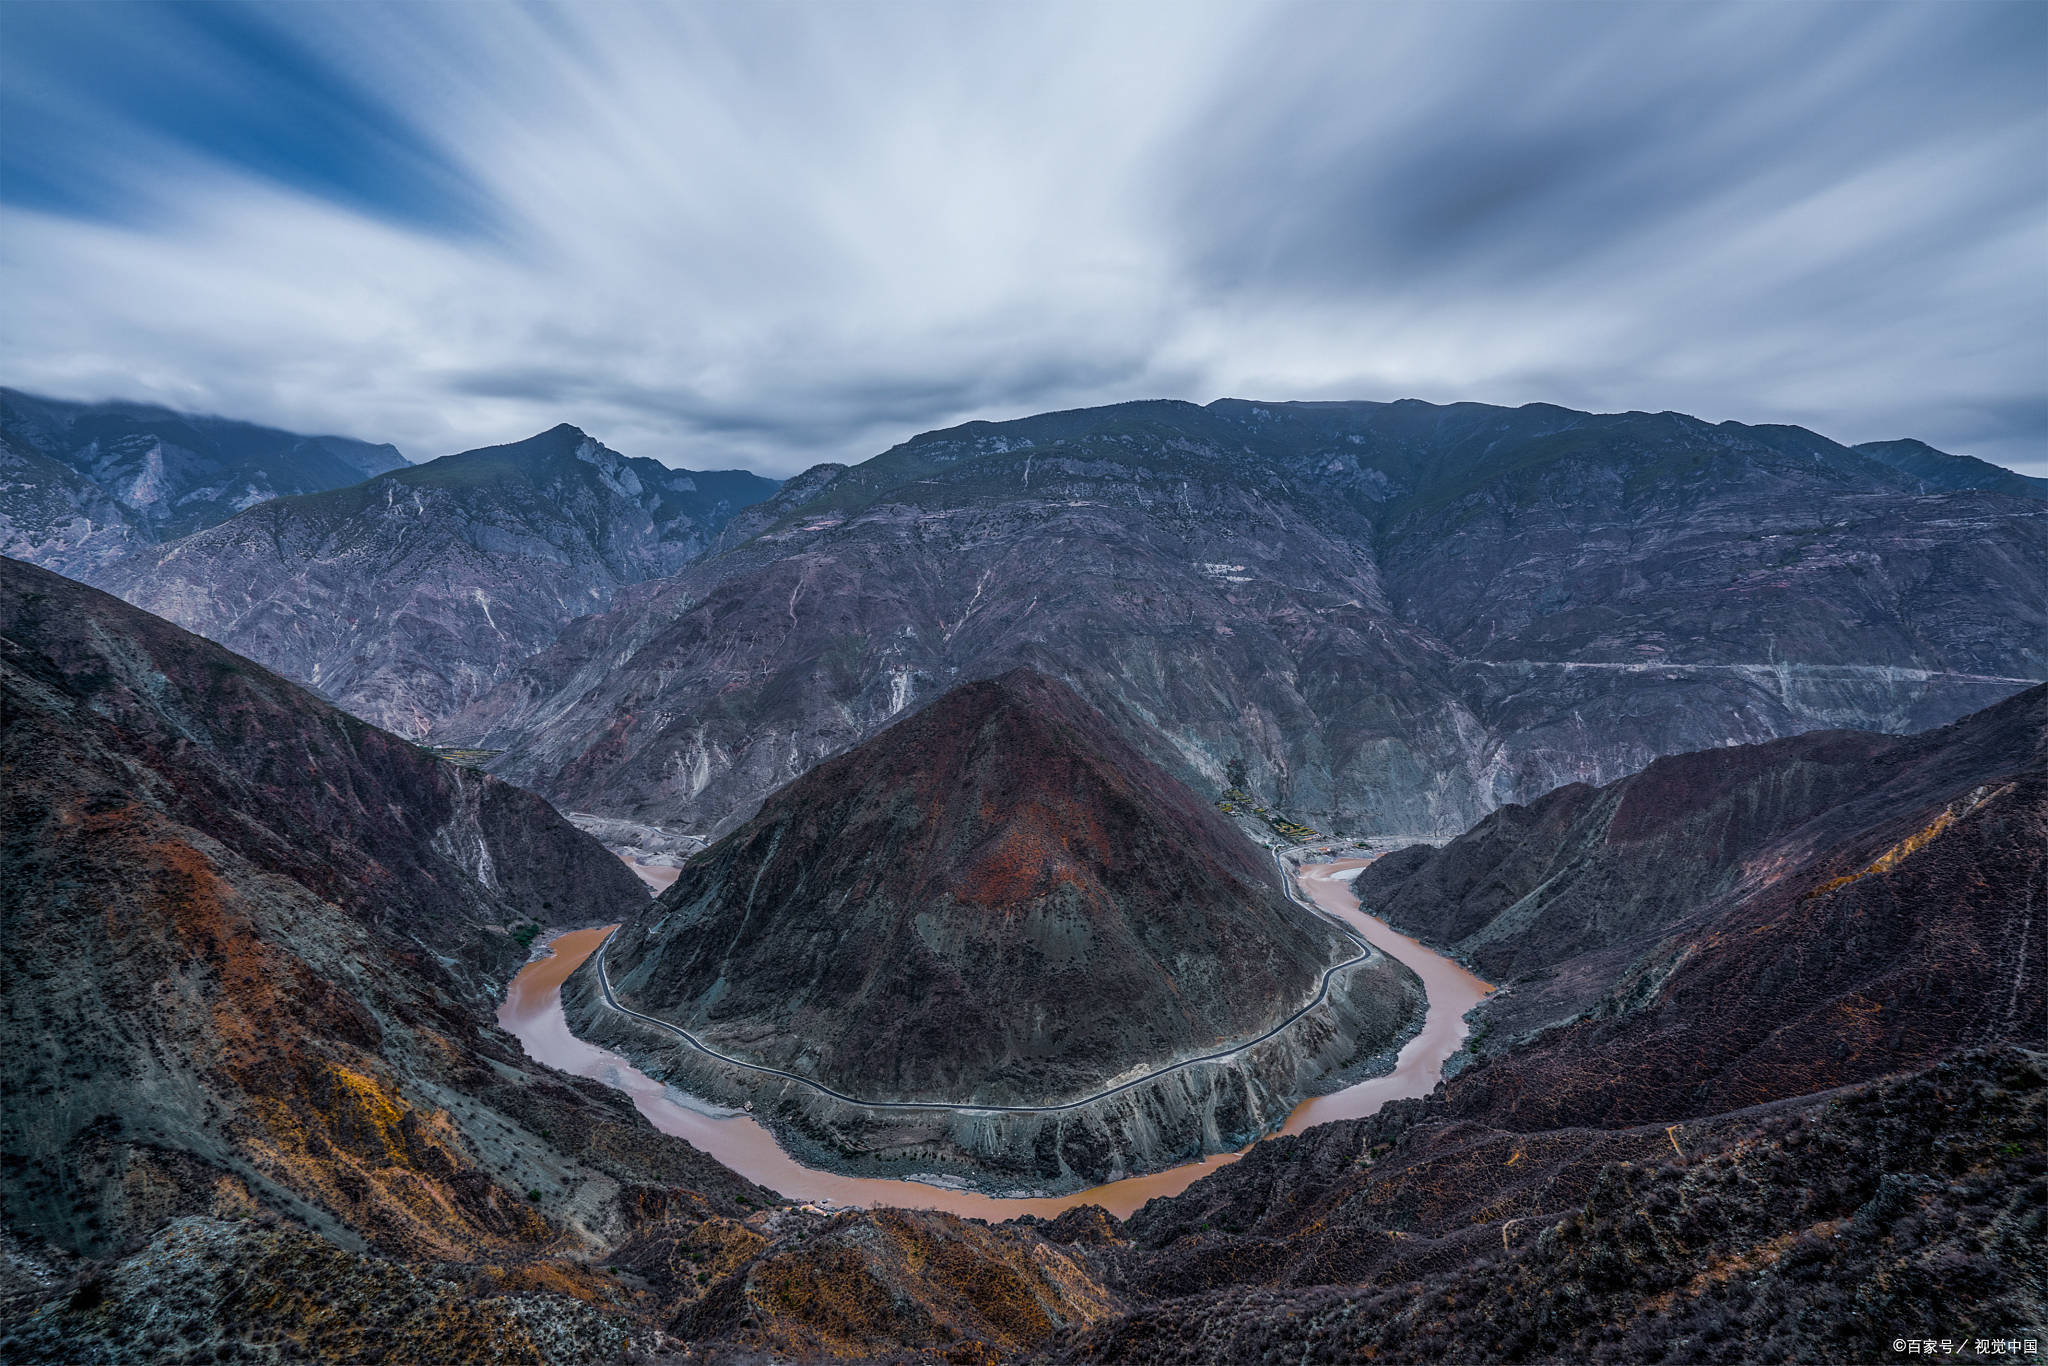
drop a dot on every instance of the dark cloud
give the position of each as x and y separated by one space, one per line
816 414
221 83
727 234
1523 140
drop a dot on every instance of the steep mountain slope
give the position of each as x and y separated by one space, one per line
1939 470
1807 1118
124 475
1842 906
256 945
997 901
1783 917
1399 615
52 515
404 597
1819 1229
994 899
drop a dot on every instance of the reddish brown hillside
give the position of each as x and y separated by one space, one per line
996 899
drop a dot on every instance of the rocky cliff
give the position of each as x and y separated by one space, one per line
405 597
1399 616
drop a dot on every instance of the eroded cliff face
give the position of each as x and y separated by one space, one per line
1399 616
996 901
405 597
52 515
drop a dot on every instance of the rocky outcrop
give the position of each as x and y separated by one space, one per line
869 1283
995 902
84 483
1399 616
405 597
52 515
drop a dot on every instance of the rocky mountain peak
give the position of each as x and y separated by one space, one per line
479 559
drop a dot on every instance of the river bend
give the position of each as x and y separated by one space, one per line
532 1012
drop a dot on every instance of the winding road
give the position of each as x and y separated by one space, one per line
1365 954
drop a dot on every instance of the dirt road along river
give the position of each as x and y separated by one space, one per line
532 1012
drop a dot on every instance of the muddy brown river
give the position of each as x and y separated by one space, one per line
532 1012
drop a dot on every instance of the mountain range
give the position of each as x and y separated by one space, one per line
1396 616
997 901
256 941
1730 741
407 596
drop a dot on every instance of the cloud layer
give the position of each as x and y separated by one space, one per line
771 235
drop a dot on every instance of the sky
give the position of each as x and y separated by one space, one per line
774 234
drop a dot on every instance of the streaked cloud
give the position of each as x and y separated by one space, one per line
772 235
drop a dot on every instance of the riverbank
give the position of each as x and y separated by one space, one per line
533 1012
1174 1114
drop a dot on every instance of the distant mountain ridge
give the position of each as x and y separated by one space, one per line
1938 470
405 596
1399 615
83 483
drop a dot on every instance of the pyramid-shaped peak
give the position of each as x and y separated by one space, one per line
978 901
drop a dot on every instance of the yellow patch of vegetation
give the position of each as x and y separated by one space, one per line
863 1285
361 1149
1907 847
368 1106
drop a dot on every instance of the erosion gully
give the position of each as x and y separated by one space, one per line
532 1012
